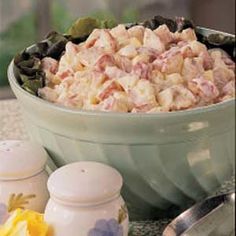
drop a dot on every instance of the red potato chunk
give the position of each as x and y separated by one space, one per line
71 49
65 74
145 52
120 34
137 32
151 40
109 87
93 37
128 82
207 60
164 34
228 91
114 104
197 47
106 41
143 94
49 64
173 65
114 72
186 51
170 61
222 75
104 61
129 51
192 68
176 97
186 35
142 70
48 94
123 63
204 89
221 58
97 79
89 56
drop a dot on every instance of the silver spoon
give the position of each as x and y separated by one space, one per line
213 217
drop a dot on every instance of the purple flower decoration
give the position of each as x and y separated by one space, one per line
106 228
3 213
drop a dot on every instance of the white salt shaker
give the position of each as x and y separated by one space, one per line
23 178
85 200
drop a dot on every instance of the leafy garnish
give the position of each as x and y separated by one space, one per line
178 24
227 43
27 64
84 26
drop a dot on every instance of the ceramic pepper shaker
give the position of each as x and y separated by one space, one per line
85 200
23 178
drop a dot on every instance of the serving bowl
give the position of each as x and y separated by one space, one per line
168 160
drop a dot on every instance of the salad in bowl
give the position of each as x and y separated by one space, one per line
155 100
132 69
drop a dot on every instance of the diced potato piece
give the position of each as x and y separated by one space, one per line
135 42
173 64
222 75
128 51
128 82
205 89
49 64
120 34
229 89
164 34
143 94
48 94
208 75
151 40
188 35
197 47
123 63
89 56
93 37
108 88
192 67
175 98
114 72
140 58
114 104
137 32
142 70
106 41
174 79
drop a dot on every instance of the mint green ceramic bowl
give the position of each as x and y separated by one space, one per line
167 159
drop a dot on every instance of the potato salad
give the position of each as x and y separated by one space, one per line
139 70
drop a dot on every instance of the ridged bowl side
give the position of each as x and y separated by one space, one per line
157 176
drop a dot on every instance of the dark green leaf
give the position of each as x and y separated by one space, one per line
83 27
107 24
32 86
178 24
39 50
227 43
159 20
56 48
